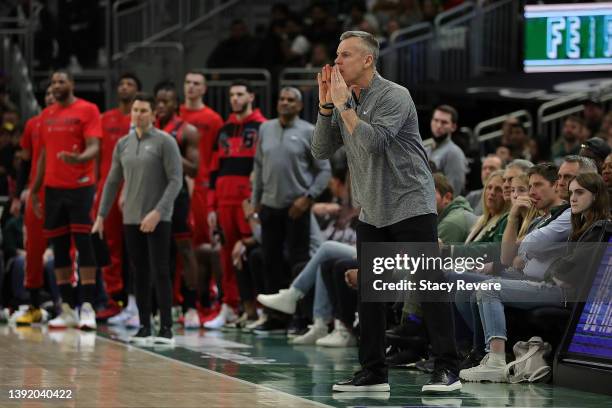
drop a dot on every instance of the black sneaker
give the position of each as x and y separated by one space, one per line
442 380
164 337
271 326
363 381
426 366
297 327
472 359
143 336
404 358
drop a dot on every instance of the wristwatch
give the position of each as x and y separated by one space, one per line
328 105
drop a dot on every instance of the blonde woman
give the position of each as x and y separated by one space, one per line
522 213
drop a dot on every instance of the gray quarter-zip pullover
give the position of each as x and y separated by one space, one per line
152 170
390 175
284 166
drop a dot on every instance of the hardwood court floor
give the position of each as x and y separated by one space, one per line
225 369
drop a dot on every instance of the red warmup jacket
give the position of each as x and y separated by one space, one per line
232 160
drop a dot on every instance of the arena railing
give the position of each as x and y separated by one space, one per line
552 114
154 62
219 80
409 57
20 84
464 41
492 128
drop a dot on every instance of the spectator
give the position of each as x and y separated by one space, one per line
589 204
519 141
605 131
571 137
455 217
319 56
358 15
514 169
237 51
323 27
409 13
606 172
597 150
569 169
490 164
448 157
430 9
297 45
593 115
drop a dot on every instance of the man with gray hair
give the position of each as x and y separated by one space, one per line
376 121
287 181
572 166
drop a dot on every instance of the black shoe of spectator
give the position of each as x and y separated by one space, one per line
442 380
297 327
404 358
408 335
364 380
271 326
407 329
472 359
426 366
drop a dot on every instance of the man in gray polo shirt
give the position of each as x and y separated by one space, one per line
376 120
287 180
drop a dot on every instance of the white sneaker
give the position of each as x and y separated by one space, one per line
192 320
22 310
283 301
68 318
87 318
133 322
489 369
226 314
339 337
316 331
4 315
122 317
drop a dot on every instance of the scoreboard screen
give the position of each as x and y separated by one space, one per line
568 37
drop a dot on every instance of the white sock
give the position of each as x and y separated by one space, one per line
319 323
131 303
497 359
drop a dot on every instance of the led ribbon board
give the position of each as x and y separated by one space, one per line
568 37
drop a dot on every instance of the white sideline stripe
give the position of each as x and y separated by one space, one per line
206 370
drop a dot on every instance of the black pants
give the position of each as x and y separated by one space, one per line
250 277
438 313
342 297
150 254
280 232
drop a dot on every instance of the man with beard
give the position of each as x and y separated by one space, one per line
571 138
70 135
35 243
231 166
187 138
115 125
447 156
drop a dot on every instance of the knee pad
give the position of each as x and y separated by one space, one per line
85 248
